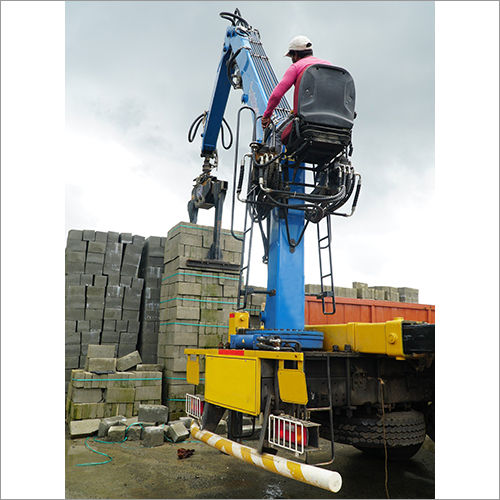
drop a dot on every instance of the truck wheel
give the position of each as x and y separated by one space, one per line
404 430
430 422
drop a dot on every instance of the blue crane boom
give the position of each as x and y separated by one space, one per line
276 194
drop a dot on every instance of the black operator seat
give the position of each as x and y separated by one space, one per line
324 114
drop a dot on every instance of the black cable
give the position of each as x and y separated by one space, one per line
195 125
230 134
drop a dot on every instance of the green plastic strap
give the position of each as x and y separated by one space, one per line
193 324
112 379
201 276
209 301
170 399
95 440
199 300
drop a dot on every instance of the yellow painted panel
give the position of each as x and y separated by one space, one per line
237 320
371 338
233 382
193 370
292 384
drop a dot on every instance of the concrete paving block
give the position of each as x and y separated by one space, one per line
75 234
106 423
76 246
101 236
166 429
130 360
100 280
82 428
133 326
110 337
91 337
72 338
72 279
113 237
122 325
187 421
112 313
131 314
365 293
126 238
87 395
358 284
116 433
109 324
97 247
153 413
100 351
96 324
95 258
100 364
93 268
134 433
72 362
94 313
128 338
149 368
88 235
124 349
120 395
74 267
153 436
147 393
177 431
72 350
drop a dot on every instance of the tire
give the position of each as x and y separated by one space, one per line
405 433
430 422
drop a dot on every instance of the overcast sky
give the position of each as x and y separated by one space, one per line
138 73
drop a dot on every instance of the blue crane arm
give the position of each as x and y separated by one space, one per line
244 53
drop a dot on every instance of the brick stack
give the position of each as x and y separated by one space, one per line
103 293
92 395
408 295
194 306
385 293
151 270
340 291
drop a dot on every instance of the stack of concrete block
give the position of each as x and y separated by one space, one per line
195 304
105 389
408 295
362 290
151 270
340 291
103 293
385 293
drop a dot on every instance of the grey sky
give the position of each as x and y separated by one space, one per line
138 73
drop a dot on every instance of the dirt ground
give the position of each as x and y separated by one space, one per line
138 472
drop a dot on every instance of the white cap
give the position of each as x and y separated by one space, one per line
298 43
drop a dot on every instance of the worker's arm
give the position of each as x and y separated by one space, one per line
287 81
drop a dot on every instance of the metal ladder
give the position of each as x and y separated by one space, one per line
246 253
325 251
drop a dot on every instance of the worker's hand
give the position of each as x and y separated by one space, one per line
265 122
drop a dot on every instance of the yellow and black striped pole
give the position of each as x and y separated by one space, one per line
315 476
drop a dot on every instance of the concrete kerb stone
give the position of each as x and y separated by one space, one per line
187 421
134 433
106 423
153 413
153 436
116 433
82 428
128 361
177 431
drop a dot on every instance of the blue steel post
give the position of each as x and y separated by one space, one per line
285 272
284 310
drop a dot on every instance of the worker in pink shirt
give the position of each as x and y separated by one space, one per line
300 50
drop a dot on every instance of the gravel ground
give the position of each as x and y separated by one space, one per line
138 472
